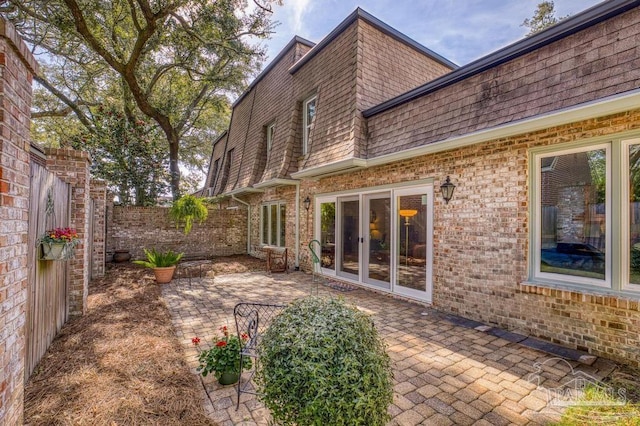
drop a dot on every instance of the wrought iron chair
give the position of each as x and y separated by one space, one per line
252 319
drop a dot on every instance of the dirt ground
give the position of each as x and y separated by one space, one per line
121 363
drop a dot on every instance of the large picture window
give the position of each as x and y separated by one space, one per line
273 224
586 216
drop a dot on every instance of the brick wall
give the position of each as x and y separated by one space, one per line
72 167
17 67
98 194
481 241
224 232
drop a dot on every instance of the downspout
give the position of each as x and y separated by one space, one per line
233 197
297 207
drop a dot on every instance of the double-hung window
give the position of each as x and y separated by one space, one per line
273 220
585 228
309 112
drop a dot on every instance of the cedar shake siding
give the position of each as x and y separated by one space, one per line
600 61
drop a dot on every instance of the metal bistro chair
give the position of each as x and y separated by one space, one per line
252 319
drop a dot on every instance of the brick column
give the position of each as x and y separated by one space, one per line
73 168
98 194
17 67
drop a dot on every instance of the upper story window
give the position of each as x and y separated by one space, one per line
585 228
227 170
309 112
271 130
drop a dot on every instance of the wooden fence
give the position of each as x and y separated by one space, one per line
47 305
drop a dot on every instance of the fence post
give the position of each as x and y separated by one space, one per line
99 196
17 67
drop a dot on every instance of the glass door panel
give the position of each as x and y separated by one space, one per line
328 235
413 244
377 249
349 231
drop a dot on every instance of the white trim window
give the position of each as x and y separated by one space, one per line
271 131
585 228
273 224
309 113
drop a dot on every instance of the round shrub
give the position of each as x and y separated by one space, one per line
322 362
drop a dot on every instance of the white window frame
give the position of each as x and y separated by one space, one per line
268 221
306 126
617 228
626 219
271 129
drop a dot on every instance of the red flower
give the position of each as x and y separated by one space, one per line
245 336
221 344
195 341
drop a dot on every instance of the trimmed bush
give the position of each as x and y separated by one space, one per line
322 362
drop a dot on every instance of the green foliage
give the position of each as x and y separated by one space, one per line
543 17
156 259
322 362
128 153
187 209
223 356
177 61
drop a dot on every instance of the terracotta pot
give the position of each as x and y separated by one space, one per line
228 378
164 275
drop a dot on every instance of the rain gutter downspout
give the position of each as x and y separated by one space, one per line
233 197
297 207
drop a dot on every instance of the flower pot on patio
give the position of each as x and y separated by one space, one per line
165 274
228 378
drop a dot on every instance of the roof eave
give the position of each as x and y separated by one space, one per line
372 20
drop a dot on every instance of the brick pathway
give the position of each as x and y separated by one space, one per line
443 373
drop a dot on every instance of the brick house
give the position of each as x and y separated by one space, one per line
541 140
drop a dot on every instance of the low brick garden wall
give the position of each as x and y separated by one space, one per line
224 232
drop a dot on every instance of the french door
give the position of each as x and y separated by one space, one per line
381 239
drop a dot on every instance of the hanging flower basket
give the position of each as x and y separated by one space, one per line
58 244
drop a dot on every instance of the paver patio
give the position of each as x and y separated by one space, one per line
443 373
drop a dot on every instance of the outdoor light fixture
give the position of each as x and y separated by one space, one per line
307 203
447 190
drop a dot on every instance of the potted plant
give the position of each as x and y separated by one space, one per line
187 209
223 358
58 244
162 263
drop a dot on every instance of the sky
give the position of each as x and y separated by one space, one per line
459 30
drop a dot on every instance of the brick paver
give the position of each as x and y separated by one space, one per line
443 373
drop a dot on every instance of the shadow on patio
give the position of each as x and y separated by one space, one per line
443 373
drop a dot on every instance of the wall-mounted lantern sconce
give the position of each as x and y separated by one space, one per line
447 190
307 203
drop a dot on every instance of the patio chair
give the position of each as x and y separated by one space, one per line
252 319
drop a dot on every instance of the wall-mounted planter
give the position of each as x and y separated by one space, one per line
56 251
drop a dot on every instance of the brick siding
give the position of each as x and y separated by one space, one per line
132 228
98 193
480 241
72 167
17 67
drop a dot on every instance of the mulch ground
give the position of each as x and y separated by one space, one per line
121 363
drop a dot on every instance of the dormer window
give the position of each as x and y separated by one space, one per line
309 111
271 130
